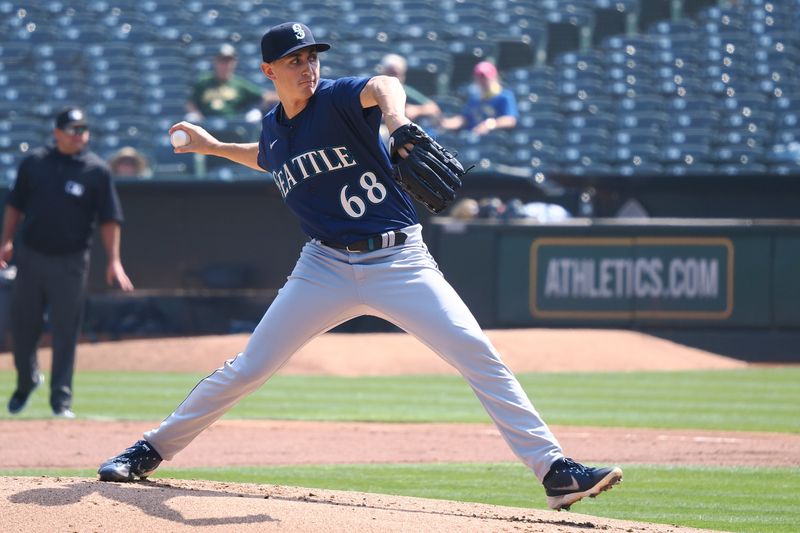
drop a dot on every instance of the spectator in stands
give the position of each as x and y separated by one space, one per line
491 207
540 212
489 106
418 105
224 94
465 209
61 193
128 162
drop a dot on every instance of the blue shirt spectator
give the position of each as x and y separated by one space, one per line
488 107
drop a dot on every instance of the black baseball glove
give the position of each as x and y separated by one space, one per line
430 173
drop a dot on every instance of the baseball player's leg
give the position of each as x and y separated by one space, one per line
318 296
27 319
416 297
66 288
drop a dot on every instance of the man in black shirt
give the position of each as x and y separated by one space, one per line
60 193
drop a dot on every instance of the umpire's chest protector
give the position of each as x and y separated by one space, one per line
331 166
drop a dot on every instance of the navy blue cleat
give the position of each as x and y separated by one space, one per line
140 460
568 482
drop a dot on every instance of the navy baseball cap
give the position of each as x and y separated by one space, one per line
71 116
283 39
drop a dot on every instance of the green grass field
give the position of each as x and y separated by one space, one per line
729 499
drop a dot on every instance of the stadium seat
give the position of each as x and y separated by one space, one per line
752 137
68 94
786 103
35 34
587 105
693 169
632 154
580 59
698 136
786 169
13 77
786 135
519 48
429 72
694 119
641 103
23 95
597 120
677 84
65 53
675 28
18 139
589 87
531 102
685 153
166 163
692 104
737 155
591 168
583 155
465 54
612 17
639 169
449 104
633 136
544 120
535 156
175 108
113 108
644 119
586 136
131 125
747 119
535 136
563 34
742 169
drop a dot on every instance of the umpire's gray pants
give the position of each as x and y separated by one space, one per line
56 284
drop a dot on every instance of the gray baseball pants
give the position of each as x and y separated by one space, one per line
401 284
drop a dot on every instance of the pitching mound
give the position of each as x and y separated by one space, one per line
70 504
382 354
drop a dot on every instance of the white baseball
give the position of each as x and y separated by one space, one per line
179 138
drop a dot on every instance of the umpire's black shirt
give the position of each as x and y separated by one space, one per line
62 197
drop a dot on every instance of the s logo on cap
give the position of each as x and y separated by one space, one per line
283 39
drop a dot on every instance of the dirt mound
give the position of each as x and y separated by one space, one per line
370 354
70 504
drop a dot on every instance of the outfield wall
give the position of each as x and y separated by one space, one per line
204 255
637 274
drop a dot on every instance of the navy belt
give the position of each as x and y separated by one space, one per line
376 242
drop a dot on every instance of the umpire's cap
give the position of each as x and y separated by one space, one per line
71 116
283 39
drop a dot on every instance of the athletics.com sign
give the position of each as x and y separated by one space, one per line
622 277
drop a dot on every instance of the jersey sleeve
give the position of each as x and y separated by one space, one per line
346 94
262 151
18 196
109 206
